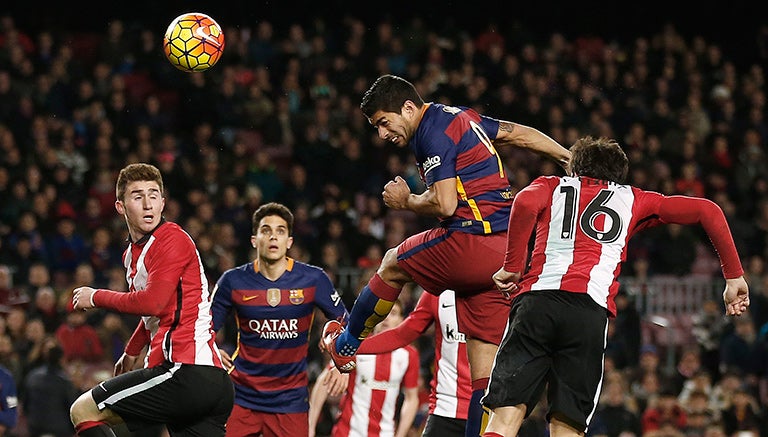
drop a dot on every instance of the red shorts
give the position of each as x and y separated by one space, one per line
439 259
244 422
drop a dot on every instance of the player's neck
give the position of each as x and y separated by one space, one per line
272 269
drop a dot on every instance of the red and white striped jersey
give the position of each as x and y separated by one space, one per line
583 226
452 383
368 406
167 286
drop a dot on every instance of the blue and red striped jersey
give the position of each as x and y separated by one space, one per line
455 142
274 320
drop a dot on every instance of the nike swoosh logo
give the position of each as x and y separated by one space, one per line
447 306
247 298
201 33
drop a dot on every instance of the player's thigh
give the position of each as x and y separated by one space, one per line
244 422
523 363
483 316
168 393
578 360
439 259
293 424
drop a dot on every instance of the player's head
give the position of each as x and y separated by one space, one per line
276 209
272 228
135 173
599 158
393 106
140 198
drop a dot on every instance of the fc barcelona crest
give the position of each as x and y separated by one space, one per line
296 296
273 296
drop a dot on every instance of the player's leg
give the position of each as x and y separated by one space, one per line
372 305
480 355
505 421
93 420
560 428
521 367
577 364
89 421
483 318
201 399
243 422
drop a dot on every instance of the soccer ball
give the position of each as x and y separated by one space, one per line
193 42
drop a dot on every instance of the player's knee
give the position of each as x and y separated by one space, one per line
389 270
83 409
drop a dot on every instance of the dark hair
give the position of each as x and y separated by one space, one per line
273 208
388 94
599 158
137 172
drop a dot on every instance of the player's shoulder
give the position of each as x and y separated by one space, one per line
238 270
171 232
305 268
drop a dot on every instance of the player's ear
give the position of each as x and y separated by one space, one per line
290 243
119 207
408 107
253 241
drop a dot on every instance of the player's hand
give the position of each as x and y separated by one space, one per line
335 382
226 359
396 193
82 297
736 296
506 282
125 363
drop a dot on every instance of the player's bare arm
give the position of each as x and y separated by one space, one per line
518 135
437 201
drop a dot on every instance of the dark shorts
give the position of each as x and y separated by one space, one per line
439 426
191 400
556 340
439 259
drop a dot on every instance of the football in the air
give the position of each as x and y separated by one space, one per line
193 42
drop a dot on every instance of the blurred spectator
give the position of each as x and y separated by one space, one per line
79 341
47 395
743 414
9 413
627 327
45 308
665 412
615 415
9 358
264 174
708 328
9 295
739 349
688 366
113 334
103 255
66 248
31 352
